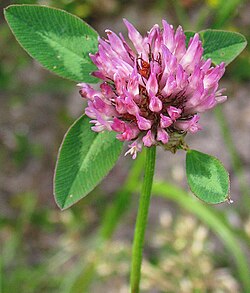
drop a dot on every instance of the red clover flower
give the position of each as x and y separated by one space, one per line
151 93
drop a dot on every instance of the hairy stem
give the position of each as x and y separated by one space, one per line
141 221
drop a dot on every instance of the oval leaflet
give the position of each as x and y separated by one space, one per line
207 177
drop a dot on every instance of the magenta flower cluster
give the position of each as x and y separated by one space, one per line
152 88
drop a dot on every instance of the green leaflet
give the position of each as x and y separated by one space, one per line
207 178
222 46
85 158
60 41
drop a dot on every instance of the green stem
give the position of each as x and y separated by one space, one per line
81 278
141 221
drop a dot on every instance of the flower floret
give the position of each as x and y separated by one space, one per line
152 88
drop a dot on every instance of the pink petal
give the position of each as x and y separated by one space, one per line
148 139
143 123
162 135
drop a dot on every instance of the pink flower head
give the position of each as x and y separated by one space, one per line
152 89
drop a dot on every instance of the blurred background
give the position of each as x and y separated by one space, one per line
190 246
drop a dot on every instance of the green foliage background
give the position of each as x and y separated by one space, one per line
86 248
